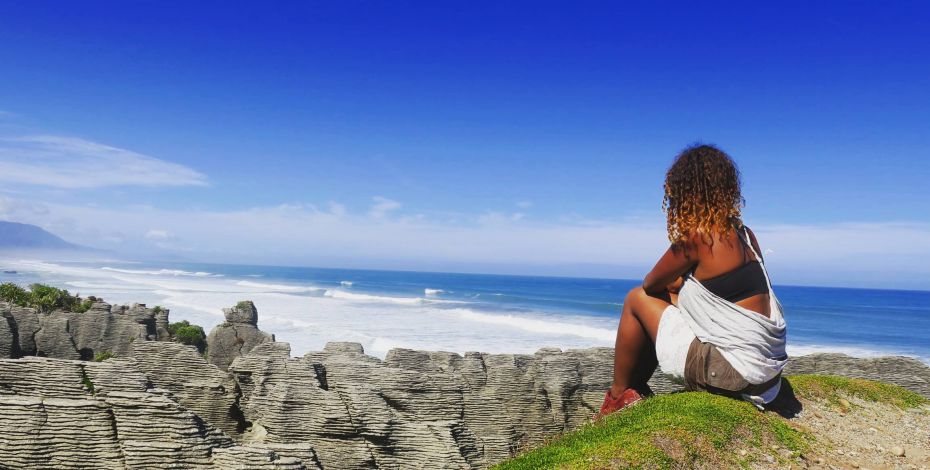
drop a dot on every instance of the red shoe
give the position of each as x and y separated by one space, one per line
611 404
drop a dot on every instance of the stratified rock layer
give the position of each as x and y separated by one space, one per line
160 404
237 336
69 335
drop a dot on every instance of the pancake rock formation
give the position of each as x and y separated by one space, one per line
160 404
237 336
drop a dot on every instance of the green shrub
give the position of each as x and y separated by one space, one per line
44 298
185 333
14 294
82 306
103 355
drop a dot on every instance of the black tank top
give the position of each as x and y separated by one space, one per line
741 283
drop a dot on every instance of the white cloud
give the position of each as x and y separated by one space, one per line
524 204
158 234
382 207
70 163
829 254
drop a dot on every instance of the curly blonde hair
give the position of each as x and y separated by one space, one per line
702 194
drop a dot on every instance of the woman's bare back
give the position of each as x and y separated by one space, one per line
724 254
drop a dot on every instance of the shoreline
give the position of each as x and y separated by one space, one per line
310 312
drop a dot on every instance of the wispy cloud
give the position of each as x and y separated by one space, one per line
833 254
382 206
74 163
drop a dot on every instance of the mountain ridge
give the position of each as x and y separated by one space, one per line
16 235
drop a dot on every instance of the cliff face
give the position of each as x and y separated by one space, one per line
67 335
161 404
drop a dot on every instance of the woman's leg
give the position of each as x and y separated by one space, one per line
634 350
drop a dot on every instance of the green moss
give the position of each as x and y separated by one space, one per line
681 429
157 309
244 305
831 388
103 355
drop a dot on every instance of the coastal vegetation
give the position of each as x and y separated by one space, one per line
44 298
103 356
697 429
186 333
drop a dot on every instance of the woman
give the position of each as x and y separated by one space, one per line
706 313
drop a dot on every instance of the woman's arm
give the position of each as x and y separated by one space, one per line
676 261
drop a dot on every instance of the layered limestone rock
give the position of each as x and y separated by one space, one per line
53 415
237 336
9 337
416 408
163 405
73 415
70 335
191 380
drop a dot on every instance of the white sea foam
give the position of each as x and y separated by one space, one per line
378 322
278 287
346 283
162 272
854 351
433 291
535 325
341 294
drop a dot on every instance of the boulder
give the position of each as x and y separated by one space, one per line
244 312
237 336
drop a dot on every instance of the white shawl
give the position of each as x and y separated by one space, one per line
753 344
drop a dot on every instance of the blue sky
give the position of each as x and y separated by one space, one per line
505 136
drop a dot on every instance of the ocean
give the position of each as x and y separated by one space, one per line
308 307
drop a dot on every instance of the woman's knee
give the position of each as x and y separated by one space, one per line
634 296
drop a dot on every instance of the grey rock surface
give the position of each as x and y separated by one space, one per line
162 405
9 337
237 336
27 325
191 380
70 335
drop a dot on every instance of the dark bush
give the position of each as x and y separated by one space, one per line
185 333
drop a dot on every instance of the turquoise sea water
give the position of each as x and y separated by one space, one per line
460 312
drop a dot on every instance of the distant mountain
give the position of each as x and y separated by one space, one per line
14 235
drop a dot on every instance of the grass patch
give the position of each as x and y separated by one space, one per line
686 430
88 384
831 388
103 356
678 430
